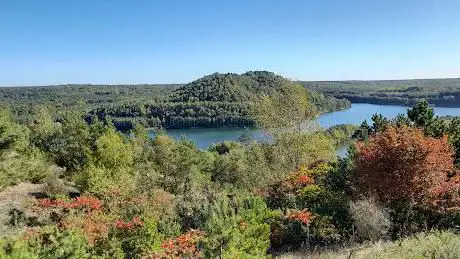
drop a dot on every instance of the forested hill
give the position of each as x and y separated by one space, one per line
217 100
439 92
230 87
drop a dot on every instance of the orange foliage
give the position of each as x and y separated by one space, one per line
301 177
303 216
95 225
92 221
184 246
446 197
135 222
86 202
403 164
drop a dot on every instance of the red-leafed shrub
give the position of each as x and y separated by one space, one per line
300 179
84 202
446 196
95 225
129 225
303 216
88 216
401 164
184 246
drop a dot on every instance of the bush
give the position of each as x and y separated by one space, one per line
371 221
48 242
16 249
30 166
54 185
309 188
237 228
401 164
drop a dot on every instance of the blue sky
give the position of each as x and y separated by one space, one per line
171 41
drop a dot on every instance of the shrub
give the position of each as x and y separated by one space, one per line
309 188
240 230
16 249
112 152
54 185
184 246
403 165
51 242
28 166
371 221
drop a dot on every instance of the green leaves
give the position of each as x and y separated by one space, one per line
12 135
237 227
113 151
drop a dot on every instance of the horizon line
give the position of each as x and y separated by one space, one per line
165 84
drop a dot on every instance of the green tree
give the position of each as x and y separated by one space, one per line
113 150
18 160
12 135
237 228
421 114
293 149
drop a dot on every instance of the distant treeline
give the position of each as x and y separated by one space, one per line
177 115
91 95
438 92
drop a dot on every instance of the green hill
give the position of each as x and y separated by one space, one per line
216 100
229 100
230 87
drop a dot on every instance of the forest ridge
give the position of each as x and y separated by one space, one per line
217 100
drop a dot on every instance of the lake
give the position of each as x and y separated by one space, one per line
204 137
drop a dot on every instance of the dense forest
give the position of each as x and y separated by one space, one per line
438 92
73 186
217 100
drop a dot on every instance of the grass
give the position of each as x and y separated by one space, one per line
439 244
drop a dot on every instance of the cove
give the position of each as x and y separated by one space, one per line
356 114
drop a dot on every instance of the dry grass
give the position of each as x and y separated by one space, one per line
442 245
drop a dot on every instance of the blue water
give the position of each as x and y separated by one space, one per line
204 137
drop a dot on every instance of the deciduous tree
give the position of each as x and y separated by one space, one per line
402 164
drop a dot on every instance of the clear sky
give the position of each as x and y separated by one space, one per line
170 41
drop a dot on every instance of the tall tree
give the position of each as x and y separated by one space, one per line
402 164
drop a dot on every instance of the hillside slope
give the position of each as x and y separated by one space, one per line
216 100
220 100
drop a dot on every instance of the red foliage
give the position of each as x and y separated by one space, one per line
281 192
446 197
300 178
84 202
303 180
134 223
303 216
93 222
403 164
95 225
184 246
